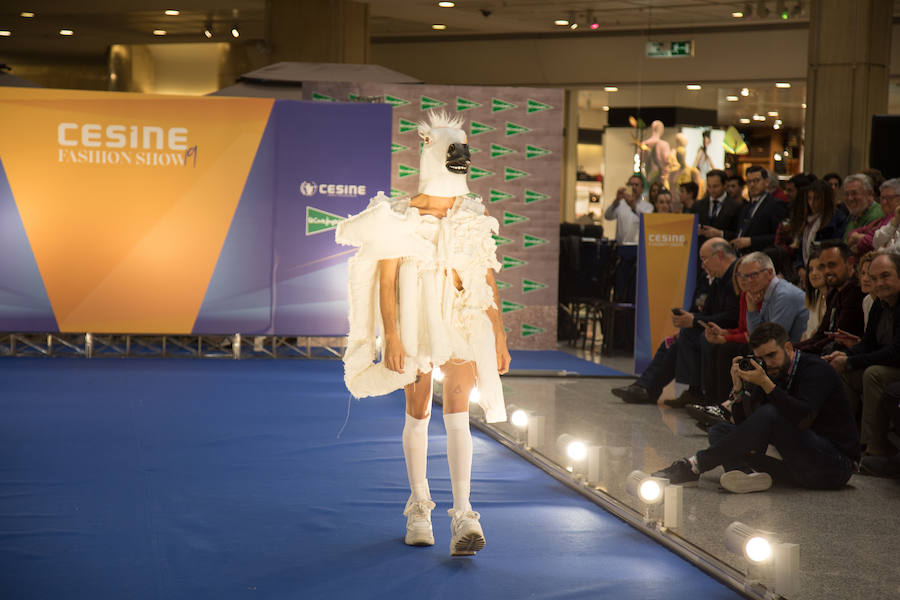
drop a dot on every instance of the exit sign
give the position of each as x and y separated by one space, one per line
670 49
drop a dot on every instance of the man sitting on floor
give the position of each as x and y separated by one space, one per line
797 404
680 359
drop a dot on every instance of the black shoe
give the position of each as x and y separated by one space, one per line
881 466
686 397
708 415
633 394
679 473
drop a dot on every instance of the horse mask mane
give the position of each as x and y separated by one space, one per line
445 156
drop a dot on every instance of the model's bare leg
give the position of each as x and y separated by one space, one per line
415 451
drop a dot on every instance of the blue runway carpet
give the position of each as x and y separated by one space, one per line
185 479
554 360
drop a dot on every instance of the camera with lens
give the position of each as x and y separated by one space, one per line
746 362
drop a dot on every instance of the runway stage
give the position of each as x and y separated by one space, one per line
169 479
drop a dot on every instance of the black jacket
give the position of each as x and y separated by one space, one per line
868 352
726 219
762 227
722 305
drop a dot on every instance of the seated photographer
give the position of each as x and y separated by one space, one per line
886 466
786 398
869 366
681 358
843 308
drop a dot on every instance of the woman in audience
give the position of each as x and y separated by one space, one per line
816 291
811 221
664 201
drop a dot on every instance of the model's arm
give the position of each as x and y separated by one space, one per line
503 358
387 296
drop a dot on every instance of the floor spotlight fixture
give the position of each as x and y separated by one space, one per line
770 563
654 492
573 449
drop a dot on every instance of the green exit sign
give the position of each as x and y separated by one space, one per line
670 49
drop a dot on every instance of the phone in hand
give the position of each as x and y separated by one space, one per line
677 311
702 323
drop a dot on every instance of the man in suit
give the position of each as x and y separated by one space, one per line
759 217
717 213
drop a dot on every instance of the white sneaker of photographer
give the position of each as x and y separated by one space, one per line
466 535
739 482
418 523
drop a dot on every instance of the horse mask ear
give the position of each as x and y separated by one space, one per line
424 131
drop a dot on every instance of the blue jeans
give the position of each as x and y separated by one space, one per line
680 361
809 460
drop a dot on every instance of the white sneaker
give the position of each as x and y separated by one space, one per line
466 535
418 523
739 482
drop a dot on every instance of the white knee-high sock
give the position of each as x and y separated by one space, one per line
415 450
459 455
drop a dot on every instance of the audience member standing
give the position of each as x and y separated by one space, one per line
869 366
625 208
687 195
759 216
717 213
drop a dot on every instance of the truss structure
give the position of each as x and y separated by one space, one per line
237 346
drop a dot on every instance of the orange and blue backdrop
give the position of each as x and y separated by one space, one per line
131 213
666 278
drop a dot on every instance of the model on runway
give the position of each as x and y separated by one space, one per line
423 275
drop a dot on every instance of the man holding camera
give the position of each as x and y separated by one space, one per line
789 399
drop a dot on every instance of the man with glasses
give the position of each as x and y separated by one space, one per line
859 197
681 358
760 216
888 234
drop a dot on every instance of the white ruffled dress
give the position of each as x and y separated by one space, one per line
437 322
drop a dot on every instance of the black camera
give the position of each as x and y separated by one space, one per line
746 362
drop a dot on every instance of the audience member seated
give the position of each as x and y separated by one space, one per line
813 220
681 358
759 216
866 287
717 213
859 196
869 366
816 292
625 208
888 235
862 240
843 312
764 298
886 466
795 403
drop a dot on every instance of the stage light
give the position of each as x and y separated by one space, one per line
66 32
648 489
27 15
782 85
573 26
605 108
208 30
745 92
474 395
573 448
694 87
439 27
159 32
774 564
235 32
653 491
519 418
610 88
437 374
732 98
592 22
754 544
576 450
173 13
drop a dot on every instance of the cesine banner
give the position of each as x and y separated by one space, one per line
129 213
666 276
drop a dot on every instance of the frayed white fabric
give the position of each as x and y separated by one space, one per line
459 458
415 451
437 321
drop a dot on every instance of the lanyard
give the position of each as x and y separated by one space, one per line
793 370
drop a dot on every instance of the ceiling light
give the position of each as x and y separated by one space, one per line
593 23
772 113
777 125
605 108
758 118
5 33
439 27
738 14
610 88
732 98
446 4
783 85
694 86
159 32
782 11
745 121
745 92
573 26
66 32
173 13
208 30
561 22
27 15
803 105
235 32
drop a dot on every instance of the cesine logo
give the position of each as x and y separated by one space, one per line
346 190
308 188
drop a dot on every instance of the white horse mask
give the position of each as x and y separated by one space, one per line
445 156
